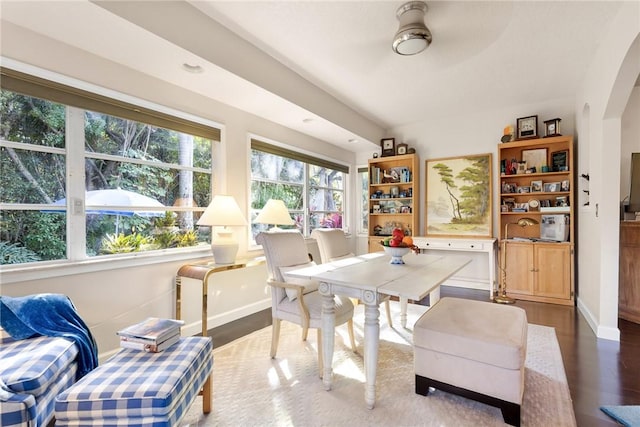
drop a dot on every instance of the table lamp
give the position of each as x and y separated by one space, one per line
503 298
223 211
274 212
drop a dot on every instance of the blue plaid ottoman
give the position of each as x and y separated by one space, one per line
136 388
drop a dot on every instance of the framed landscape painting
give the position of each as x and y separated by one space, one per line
459 196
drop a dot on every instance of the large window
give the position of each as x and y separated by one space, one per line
83 182
313 189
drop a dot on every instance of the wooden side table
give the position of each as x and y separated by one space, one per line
201 271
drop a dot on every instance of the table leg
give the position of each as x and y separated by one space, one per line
403 311
328 336
492 272
434 296
371 341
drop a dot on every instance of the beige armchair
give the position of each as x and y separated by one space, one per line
333 245
297 300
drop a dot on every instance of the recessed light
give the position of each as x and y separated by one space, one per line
196 69
307 120
352 140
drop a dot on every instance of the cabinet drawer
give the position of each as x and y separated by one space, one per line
451 244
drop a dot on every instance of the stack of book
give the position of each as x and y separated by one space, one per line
152 335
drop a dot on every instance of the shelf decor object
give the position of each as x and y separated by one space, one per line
503 298
527 127
464 184
552 128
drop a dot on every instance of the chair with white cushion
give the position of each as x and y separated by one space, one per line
333 245
297 300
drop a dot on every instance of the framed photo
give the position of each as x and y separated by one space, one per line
564 185
405 209
559 161
509 187
536 186
522 168
376 209
524 189
527 127
401 148
535 158
551 187
459 196
388 147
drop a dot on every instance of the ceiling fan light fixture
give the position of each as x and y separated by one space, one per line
412 36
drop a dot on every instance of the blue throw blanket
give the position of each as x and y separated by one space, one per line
51 315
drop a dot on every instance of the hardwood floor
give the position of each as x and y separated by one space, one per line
599 372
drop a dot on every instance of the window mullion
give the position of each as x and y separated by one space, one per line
76 229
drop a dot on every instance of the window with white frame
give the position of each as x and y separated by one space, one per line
93 176
313 189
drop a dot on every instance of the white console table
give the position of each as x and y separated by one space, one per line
488 245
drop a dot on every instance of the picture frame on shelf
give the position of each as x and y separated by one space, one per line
551 187
446 190
524 189
522 168
388 146
527 127
559 161
564 185
535 158
536 186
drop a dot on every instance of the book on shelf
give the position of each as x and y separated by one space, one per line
149 346
154 330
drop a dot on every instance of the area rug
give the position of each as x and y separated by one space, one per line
251 389
627 415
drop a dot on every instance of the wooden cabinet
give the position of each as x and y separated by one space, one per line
540 271
393 197
540 261
629 282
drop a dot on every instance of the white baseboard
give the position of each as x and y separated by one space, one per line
463 282
219 319
600 331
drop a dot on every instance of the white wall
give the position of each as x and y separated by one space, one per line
604 96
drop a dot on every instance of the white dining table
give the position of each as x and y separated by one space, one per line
371 278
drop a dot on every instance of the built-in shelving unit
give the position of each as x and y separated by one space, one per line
393 197
539 258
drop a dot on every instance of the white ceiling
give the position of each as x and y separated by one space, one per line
484 55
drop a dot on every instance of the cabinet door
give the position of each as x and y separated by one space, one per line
520 269
374 244
553 271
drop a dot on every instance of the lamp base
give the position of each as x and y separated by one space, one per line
504 299
224 248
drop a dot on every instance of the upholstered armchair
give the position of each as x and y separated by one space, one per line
297 300
333 245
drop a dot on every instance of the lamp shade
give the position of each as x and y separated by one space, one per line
222 211
274 212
